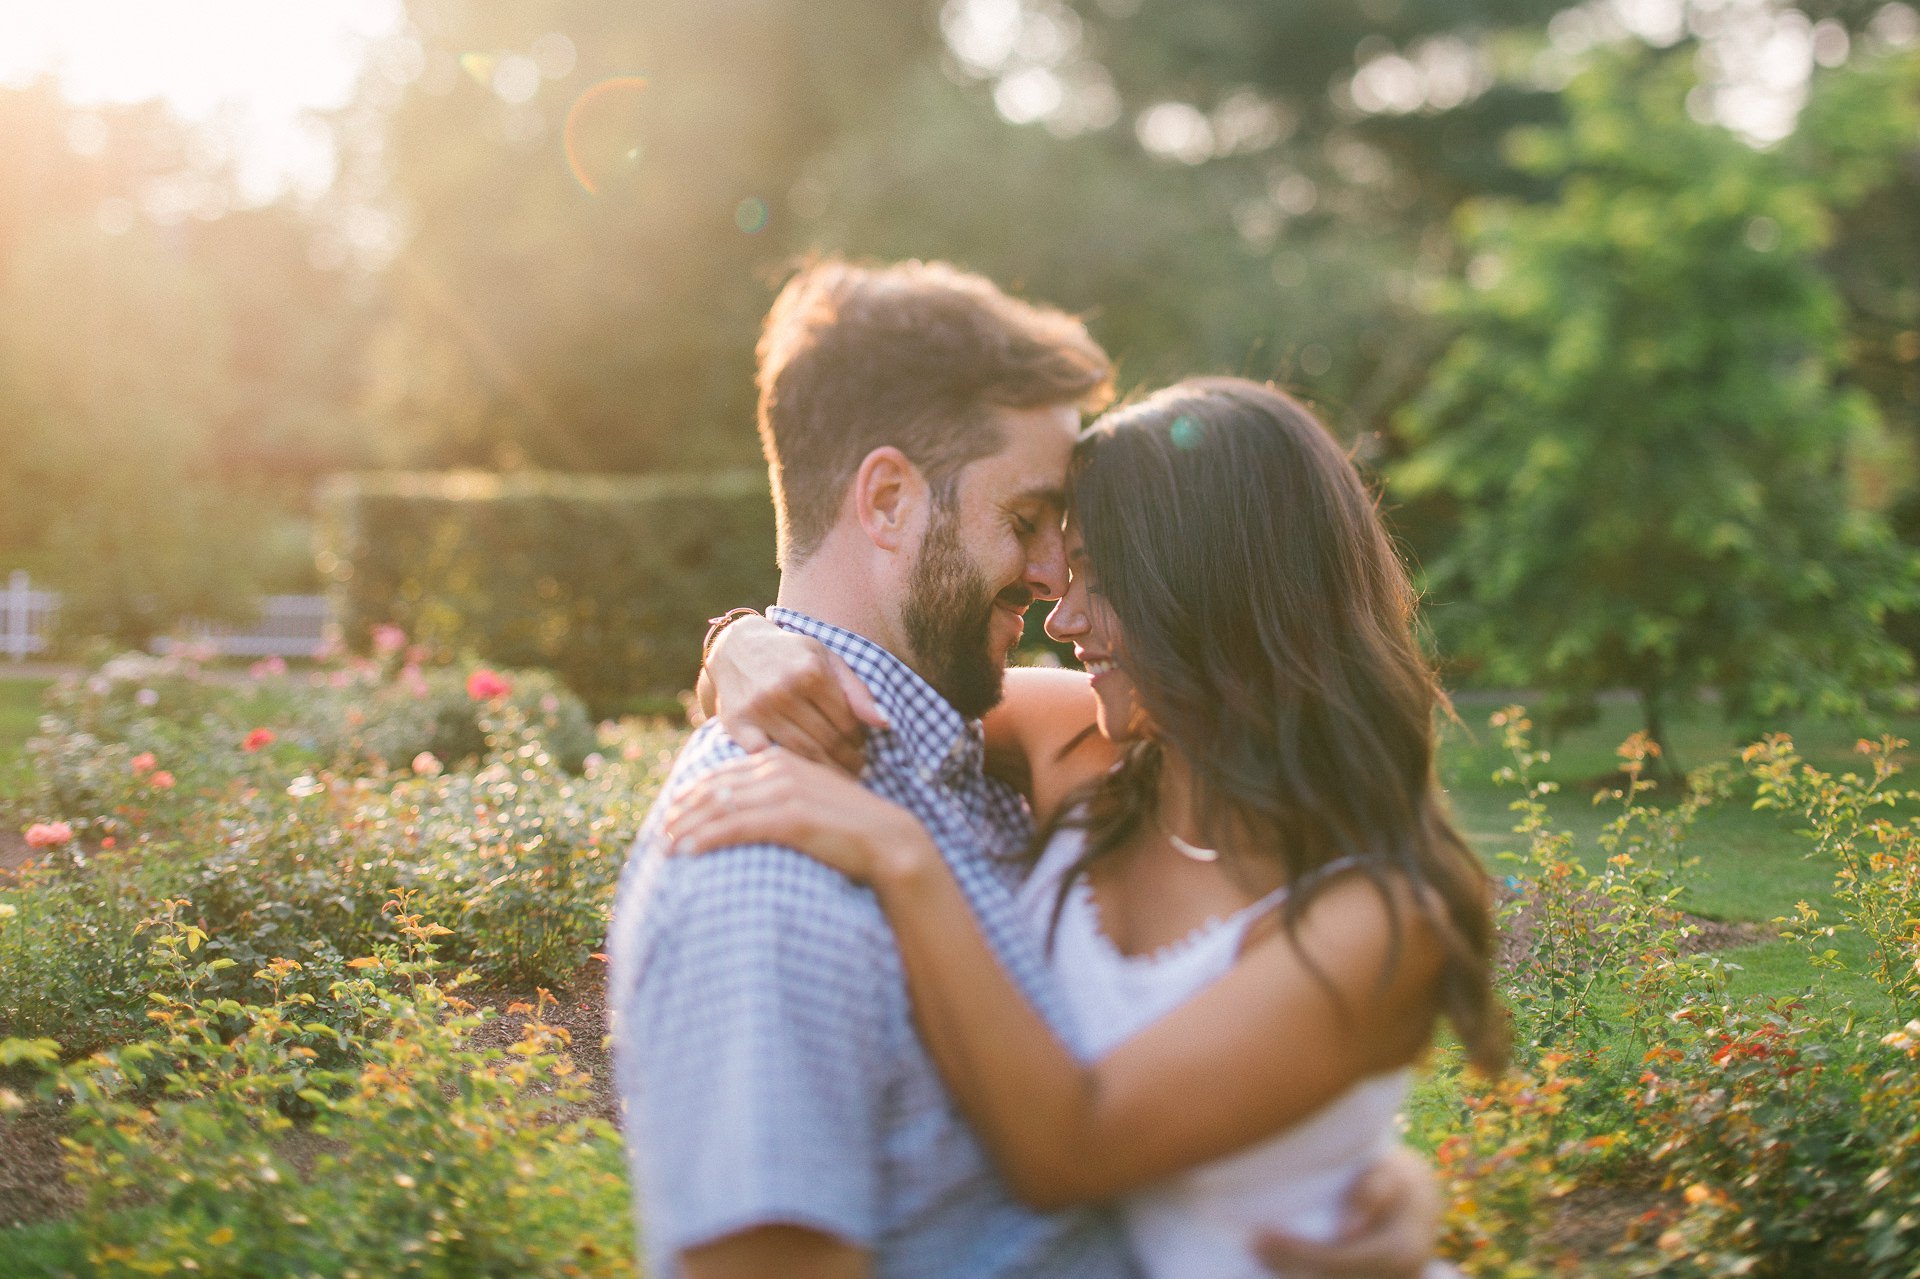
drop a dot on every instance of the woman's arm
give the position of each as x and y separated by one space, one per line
1254 1053
1257 1051
1040 738
770 685
773 687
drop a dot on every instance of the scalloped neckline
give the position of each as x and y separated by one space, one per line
1179 946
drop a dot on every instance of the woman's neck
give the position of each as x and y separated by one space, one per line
1179 796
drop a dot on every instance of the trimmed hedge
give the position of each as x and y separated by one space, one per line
607 581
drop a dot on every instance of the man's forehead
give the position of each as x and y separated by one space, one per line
1036 446
1049 492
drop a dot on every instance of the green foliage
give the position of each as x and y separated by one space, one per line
1596 941
1645 424
270 1072
289 849
1876 859
1750 1116
1771 1137
1507 1157
388 718
609 582
225 1143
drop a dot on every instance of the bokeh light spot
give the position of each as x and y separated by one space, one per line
1185 432
603 132
751 214
480 66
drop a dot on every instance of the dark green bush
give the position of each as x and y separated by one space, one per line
608 582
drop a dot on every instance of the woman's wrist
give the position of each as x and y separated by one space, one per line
903 858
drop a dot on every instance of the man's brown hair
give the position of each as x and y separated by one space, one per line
916 355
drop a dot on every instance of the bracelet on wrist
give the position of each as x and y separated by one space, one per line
717 624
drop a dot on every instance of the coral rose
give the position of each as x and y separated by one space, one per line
162 780
48 834
258 739
142 764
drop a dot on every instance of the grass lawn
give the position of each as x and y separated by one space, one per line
1752 865
19 714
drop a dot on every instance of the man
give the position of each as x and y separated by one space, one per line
782 1116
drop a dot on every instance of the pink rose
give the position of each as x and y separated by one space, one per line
48 834
258 739
268 667
143 763
426 764
162 780
388 639
485 686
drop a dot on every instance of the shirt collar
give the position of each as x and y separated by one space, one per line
937 739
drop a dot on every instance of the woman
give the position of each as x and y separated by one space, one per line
1251 891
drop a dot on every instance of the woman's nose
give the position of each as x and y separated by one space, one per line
1066 621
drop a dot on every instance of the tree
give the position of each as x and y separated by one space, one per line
592 201
174 374
1645 421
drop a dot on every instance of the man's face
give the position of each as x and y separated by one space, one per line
984 559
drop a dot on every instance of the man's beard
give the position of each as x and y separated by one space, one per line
949 621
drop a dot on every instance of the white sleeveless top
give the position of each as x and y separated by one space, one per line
1199 1224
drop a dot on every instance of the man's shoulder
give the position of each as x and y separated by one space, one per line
765 884
705 749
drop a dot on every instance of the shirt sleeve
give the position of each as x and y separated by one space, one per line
757 1053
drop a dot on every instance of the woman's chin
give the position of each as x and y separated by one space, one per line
1114 729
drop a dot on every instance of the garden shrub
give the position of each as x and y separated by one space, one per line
1506 1160
287 835
290 1052
417 1154
1754 1117
608 582
390 722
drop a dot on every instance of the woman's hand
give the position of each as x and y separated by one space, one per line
773 687
776 797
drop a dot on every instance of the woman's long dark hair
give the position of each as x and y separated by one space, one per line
1267 625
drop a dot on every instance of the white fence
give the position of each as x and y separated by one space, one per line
288 626
27 618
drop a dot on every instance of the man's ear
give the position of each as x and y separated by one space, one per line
890 498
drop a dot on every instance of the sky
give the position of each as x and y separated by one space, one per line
250 72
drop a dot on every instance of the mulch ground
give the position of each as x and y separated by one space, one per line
1516 937
14 853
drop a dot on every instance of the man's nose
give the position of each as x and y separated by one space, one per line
1047 566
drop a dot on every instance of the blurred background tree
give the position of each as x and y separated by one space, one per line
173 373
551 230
1645 418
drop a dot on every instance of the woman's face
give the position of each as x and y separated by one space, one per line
1083 619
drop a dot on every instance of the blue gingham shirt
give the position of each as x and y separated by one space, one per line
764 1048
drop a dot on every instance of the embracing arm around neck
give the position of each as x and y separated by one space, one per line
1297 1021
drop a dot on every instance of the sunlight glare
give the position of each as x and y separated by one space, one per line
247 70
